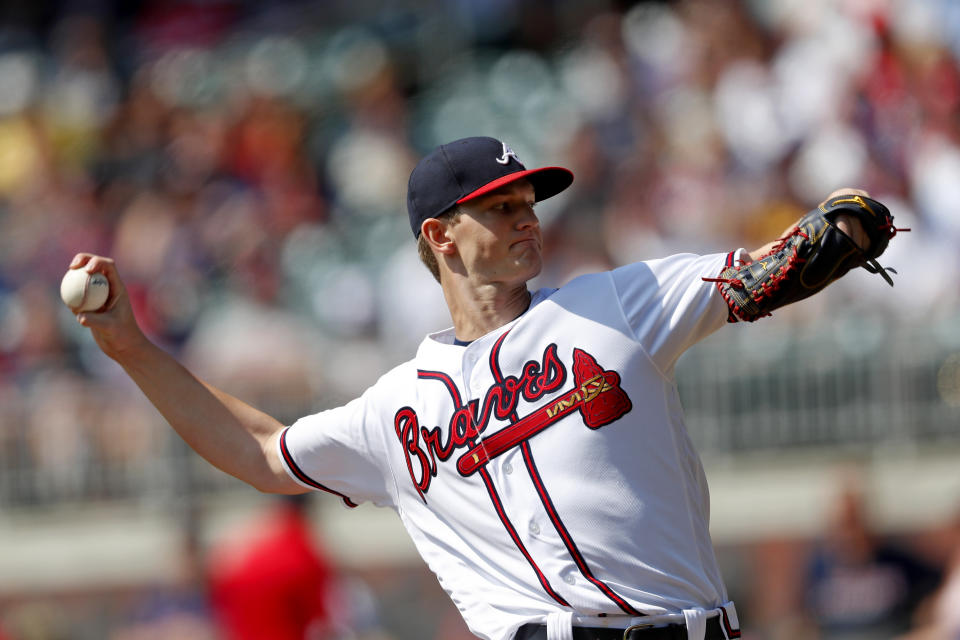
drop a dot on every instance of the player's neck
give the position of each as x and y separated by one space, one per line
476 311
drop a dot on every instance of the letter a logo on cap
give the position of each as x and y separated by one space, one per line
507 152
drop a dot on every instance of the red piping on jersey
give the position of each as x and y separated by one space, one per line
494 363
565 535
516 538
424 374
548 502
303 477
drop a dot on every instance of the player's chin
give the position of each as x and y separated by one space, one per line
528 265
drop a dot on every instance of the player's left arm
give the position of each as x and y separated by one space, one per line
847 230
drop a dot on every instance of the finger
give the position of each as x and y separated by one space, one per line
854 230
96 319
92 263
843 223
107 267
99 264
80 260
847 191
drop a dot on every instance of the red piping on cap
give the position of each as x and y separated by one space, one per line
513 177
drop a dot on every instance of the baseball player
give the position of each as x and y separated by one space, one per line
535 451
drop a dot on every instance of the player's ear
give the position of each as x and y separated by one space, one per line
435 232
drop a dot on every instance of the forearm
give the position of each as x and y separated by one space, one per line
229 433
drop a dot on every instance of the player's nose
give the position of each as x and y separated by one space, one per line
528 218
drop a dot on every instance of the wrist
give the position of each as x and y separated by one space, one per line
131 349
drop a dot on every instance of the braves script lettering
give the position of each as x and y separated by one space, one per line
596 394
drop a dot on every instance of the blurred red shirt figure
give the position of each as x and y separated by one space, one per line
273 583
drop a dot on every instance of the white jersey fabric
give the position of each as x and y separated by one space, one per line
593 505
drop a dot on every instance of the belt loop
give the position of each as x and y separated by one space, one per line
560 625
729 622
696 623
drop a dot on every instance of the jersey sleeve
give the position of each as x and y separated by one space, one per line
668 305
341 451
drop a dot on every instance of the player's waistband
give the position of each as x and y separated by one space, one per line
720 623
635 632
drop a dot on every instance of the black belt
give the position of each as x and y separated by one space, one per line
533 631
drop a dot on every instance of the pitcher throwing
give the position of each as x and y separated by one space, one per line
535 451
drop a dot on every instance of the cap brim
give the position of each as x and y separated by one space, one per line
546 181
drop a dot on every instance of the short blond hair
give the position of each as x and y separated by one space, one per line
427 256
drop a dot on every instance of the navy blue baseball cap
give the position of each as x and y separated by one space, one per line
468 168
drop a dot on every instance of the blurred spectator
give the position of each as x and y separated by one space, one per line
273 580
939 616
860 586
943 618
180 609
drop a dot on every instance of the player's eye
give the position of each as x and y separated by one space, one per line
508 206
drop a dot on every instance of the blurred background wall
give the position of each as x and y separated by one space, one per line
245 163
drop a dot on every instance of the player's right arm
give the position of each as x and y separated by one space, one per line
229 433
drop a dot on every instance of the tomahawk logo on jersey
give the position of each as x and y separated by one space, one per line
596 394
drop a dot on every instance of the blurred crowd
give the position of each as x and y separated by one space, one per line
245 164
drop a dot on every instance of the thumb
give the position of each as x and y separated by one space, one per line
115 332
854 230
110 318
92 320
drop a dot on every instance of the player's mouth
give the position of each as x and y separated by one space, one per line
531 241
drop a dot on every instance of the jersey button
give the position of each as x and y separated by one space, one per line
569 579
534 528
507 468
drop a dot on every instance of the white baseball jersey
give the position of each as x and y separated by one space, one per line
544 471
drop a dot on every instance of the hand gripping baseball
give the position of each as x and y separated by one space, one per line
811 256
113 326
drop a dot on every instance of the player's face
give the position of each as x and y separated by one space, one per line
498 235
